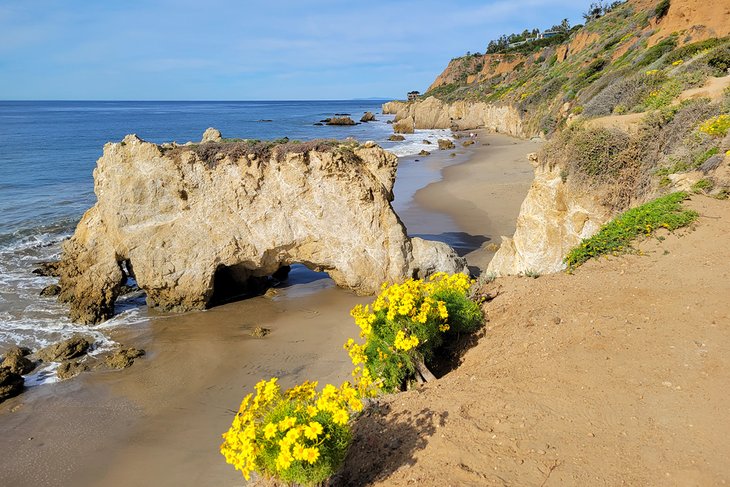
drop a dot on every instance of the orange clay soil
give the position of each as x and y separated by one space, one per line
616 375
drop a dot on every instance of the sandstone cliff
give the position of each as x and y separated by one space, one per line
433 113
554 218
184 220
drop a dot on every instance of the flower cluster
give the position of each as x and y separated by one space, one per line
717 127
299 435
406 324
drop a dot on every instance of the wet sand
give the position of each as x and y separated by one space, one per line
159 422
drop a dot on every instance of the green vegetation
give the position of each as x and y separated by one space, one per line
702 186
406 326
662 8
616 236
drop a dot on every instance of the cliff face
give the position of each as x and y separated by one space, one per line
433 113
554 218
181 219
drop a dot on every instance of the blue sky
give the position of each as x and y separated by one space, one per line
247 50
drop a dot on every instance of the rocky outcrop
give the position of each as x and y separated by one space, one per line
554 218
368 117
67 349
433 113
123 358
11 383
16 359
446 144
340 121
191 222
404 126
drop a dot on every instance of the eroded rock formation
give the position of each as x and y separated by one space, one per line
554 218
433 113
182 220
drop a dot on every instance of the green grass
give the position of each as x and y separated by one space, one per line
616 236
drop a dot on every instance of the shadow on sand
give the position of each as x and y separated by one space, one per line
382 444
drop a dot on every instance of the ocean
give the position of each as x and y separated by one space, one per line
48 150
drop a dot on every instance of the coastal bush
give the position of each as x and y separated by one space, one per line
662 8
300 435
687 51
655 52
405 327
616 236
716 127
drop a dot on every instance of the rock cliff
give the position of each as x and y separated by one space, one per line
187 221
433 113
554 218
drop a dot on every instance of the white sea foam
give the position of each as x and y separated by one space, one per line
414 143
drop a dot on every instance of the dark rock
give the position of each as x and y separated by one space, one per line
368 117
265 120
319 124
121 359
70 348
445 144
467 143
126 289
396 138
282 274
17 352
453 154
427 142
424 153
390 122
712 163
342 114
71 369
341 121
11 383
48 269
52 290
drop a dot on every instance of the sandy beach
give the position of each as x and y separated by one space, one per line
159 422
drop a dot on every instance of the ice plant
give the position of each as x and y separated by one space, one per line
300 435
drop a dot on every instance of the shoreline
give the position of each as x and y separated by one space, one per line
484 193
158 422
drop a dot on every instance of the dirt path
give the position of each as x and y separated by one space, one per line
616 375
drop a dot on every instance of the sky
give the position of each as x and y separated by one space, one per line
248 49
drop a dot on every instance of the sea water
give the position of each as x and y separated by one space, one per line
48 151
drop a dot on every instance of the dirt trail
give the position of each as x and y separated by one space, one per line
615 375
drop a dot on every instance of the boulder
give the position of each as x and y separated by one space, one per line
368 117
16 360
446 144
427 142
70 369
11 383
467 143
47 269
195 222
424 153
52 290
211 135
67 349
396 138
340 121
404 126
121 359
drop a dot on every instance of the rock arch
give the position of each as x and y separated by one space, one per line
176 214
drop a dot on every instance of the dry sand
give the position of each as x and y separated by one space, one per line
159 422
616 375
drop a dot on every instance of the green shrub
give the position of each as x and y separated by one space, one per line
406 326
687 51
299 436
719 60
662 8
702 186
663 96
616 236
655 52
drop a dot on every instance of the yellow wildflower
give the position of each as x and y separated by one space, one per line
270 431
311 454
313 430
